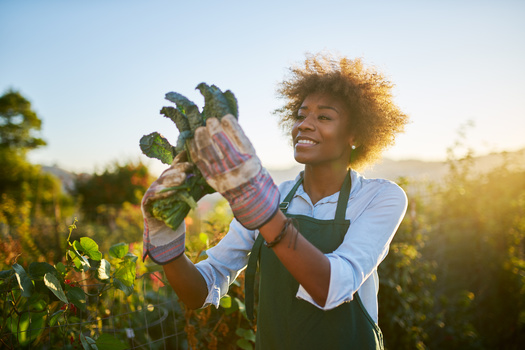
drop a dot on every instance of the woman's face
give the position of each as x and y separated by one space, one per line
320 133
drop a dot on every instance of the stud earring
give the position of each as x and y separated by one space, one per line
352 151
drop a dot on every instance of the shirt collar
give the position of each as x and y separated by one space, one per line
333 198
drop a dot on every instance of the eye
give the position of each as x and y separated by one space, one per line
299 117
323 117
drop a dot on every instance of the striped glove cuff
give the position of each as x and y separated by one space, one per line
255 202
163 253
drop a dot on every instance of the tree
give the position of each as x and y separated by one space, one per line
30 200
18 124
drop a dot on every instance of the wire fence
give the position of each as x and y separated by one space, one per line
151 318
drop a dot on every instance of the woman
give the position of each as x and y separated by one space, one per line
319 238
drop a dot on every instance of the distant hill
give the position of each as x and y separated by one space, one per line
67 178
414 170
418 170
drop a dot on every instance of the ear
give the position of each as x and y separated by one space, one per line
352 141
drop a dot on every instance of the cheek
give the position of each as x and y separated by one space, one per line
294 130
343 140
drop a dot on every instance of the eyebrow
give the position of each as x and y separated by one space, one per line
321 107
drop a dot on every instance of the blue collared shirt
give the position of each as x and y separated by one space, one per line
375 210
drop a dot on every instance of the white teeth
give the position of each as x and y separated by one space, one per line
306 142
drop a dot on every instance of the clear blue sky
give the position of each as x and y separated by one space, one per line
96 71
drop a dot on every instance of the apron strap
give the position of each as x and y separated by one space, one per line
342 203
286 201
249 276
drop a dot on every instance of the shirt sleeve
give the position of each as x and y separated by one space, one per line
225 261
230 256
365 245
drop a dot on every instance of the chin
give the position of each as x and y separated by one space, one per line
300 160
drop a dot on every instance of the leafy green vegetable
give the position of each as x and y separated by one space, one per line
216 104
187 118
232 103
179 118
156 146
188 108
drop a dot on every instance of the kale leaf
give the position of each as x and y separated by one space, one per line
187 118
156 146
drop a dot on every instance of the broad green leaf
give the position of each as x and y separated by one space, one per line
90 248
60 268
244 344
126 272
240 303
77 296
119 250
39 269
5 274
120 285
104 270
27 327
25 283
54 318
36 302
54 285
131 257
77 246
108 342
81 263
77 263
88 343
247 334
226 302
157 146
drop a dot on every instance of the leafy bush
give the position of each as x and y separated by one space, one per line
42 296
455 275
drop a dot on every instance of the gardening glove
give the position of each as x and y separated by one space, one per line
227 160
162 243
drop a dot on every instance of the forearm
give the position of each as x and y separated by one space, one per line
187 282
309 266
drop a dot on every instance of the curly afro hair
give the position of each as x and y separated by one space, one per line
374 118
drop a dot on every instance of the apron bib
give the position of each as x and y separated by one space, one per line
288 323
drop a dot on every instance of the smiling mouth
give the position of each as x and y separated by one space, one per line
305 142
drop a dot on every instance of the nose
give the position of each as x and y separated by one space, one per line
306 123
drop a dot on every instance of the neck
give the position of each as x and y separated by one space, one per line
320 182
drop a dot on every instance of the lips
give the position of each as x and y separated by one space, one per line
305 141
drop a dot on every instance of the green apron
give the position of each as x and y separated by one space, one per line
288 323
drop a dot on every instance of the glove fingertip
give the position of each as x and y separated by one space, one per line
236 134
214 126
201 138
